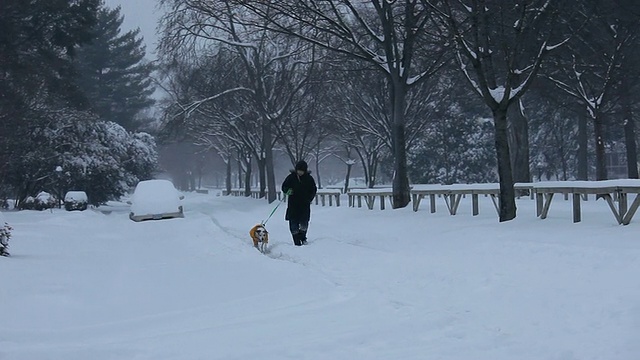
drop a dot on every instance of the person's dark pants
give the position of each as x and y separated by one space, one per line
298 231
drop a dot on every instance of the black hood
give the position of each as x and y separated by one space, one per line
302 165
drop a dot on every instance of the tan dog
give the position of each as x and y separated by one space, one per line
260 237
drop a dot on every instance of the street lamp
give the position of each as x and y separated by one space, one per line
540 167
59 178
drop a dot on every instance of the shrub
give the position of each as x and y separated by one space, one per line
5 236
42 201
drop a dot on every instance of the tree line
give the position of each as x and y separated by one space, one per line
73 90
437 91
432 90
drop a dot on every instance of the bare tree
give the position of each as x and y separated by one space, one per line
212 124
349 162
363 119
629 124
275 67
303 126
518 133
360 104
390 35
555 141
500 46
589 69
306 127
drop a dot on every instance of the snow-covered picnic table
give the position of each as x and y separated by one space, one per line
615 192
323 196
369 196
328 194
610 190
452 195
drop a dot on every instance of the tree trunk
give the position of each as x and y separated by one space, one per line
318 180
364 160
507 193
239 170
228 176
346 178
373 170
629 134
365 170
268 157
583 152
247 178
631 147
401 194
563 163
601 163
519 143
262 176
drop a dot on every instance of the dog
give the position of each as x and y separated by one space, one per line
260 237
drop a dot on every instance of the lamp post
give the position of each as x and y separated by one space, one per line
540 168
59 183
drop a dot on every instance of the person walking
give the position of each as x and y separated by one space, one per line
301 188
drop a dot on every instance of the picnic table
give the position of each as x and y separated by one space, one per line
328 194
609 190
323 196
616 194
369 196
452 194
253 193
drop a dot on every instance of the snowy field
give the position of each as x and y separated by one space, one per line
393 284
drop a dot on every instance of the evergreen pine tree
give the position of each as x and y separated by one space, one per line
37 43
114 74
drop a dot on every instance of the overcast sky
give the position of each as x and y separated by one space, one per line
141 14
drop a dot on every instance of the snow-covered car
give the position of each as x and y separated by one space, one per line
155 200
75 200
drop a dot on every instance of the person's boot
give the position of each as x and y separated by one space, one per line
303 238
297 240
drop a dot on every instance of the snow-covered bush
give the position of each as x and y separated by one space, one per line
5 236
42 201
75 150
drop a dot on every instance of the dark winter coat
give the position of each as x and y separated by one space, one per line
299 202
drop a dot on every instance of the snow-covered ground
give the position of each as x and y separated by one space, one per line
393 284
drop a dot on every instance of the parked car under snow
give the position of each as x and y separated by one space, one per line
155 200
76 200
